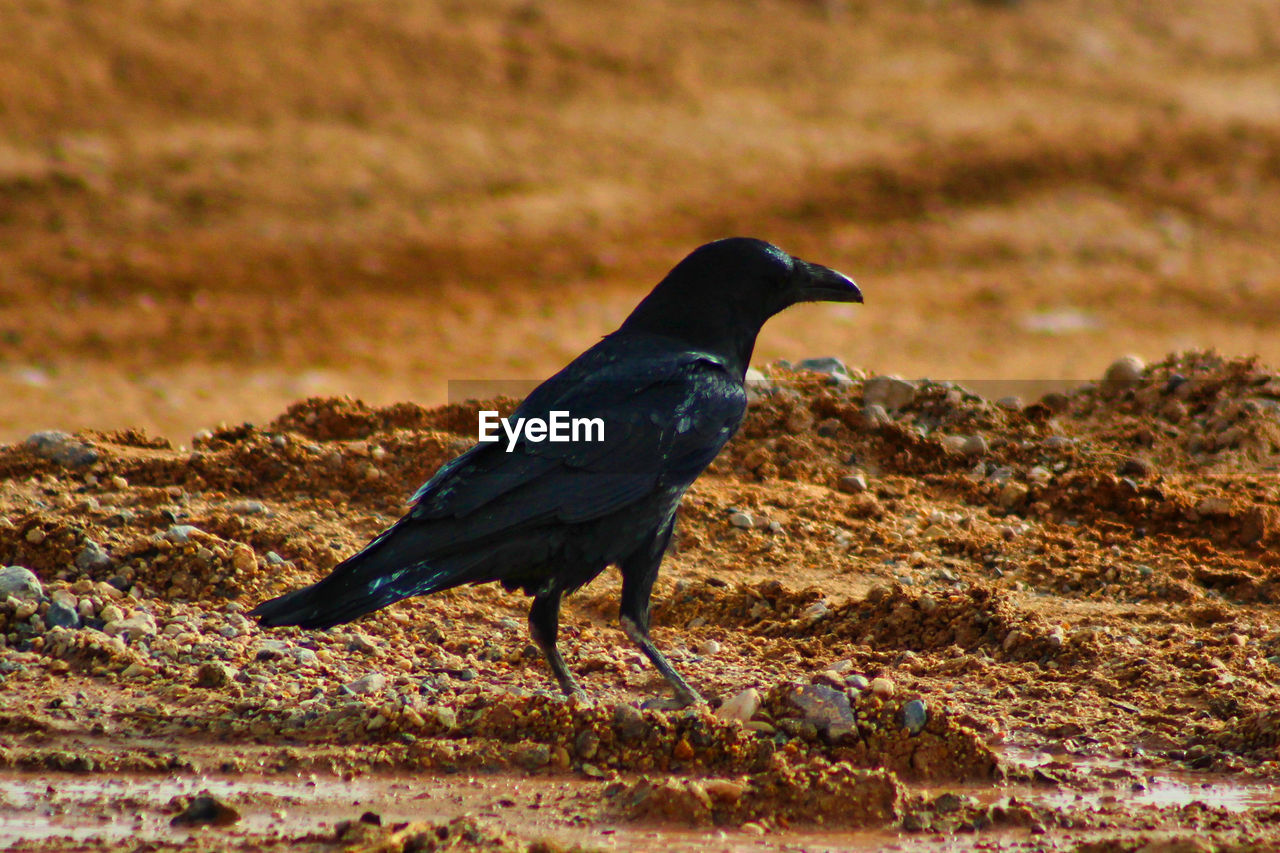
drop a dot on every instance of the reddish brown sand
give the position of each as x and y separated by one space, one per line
210 213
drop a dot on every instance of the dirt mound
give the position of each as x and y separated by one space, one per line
878 574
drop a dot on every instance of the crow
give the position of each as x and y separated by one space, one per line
547 517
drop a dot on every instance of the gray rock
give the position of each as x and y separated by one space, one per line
61 448
180 533
271 650
915 714
21 583
829 365
974 445
61 616
92 558
825 708
857 682
742 520
888 391
629 722
371 683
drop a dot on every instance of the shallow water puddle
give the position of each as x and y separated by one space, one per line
1111 781
80 807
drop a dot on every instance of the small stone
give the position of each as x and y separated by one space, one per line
888 391
587 744
741 520
61 448
828 364
135 626
61 616
92 558
1213 506
709 647
1124 372
974 445
815 612
1012 495
742 706
825 708
370 683
110 613
205 809
875 416
915 714
725 790
1039 475
857 682
828 677
852 484
361 643
35 536
882 687
214 674
180 533
1135 467
629 722
21 583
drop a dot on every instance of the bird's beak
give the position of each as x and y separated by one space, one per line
816 283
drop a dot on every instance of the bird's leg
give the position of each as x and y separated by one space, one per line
639 571
639 634
544 624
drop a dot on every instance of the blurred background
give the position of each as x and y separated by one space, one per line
211 210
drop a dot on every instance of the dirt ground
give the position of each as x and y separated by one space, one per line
249 252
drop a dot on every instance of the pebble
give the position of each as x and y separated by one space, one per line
825 708
915 714
882 687
709 647
1011 495
214 674
828 364
21 583
1213 506
1124 372
852 484
92 558
741 520
180 533
137 625
110 613
370 683
888 391
629 722
815 612
361 643
60 615
875 416
61 448
857 682
742 706
974 445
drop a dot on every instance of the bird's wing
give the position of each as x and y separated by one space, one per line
664 419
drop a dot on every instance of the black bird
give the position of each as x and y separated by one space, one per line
547 517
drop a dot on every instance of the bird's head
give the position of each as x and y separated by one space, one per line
720 295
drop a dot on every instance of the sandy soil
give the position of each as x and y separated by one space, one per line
217 219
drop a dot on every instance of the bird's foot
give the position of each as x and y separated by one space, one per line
673 703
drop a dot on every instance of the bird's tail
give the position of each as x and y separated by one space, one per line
364 582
